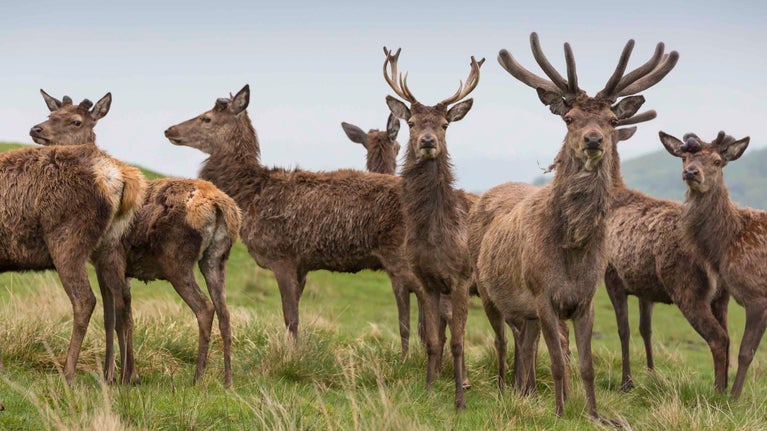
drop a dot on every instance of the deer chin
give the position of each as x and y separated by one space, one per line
41 141
592 158
428 153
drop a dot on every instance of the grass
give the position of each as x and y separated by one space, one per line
344 374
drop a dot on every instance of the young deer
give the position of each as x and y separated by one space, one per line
729 238
182 223
381 147
435 213
296 221
541 261
61 207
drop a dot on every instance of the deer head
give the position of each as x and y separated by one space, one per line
427 123
70 124
213 126
702 162
591 121
382 146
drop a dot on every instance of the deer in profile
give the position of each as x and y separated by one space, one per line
435 213
542 260
381 146
61 207
181 224
729 238
296 221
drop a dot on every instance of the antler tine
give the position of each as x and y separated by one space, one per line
552 73
659 72
396 82
511 65
572 77
471 83
609 91
638 118
642 70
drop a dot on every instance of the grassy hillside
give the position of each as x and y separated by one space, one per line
345 373
7 147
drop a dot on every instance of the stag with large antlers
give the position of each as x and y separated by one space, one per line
435 213
540 260
731 239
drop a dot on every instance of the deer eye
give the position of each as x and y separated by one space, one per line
717 163
613 122
568 120
77 123
444 126
205 119
410 124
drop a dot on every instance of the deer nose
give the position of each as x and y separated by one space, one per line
690 173
427 142
35 130
593 142
168 131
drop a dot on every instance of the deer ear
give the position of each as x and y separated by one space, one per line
50 101
734 150
240 100
392 127
355 134
399 109
458 111
627 107
672 144
626 133
102 107
554 101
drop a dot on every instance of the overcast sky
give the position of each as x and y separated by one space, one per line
312 65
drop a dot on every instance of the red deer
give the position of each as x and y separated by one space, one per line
646 258
61 207
729 238
182 223
381 146
435 213
541 260
296 221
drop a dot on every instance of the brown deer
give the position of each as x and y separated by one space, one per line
381 146
296 221
61 207
729 238
646 258
541 260
182 223
435 213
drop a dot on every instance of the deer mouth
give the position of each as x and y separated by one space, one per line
39 139
174 139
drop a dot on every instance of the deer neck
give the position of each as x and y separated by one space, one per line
379 164
428 198
579 201
711 223
235 164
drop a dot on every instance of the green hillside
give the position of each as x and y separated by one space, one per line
150 175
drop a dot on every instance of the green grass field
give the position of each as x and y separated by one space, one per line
345 373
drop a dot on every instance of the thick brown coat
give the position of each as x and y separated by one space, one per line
182 223
296 221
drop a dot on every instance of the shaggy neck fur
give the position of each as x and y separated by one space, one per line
428 198
235 164
381 164
579 201
711 223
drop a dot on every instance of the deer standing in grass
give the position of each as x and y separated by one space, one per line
182 223
296 221
59 207
731 239
542 260
435 214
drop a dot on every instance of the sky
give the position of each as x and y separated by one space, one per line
312 65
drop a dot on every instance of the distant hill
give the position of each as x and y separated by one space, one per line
150 175
659 174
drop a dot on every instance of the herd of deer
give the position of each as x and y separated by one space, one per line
535 255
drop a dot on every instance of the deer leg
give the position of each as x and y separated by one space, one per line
528 349
190 292
700 316
499 327
430 302
287 282
109 326
550 328
617 294
214 271
123 302
445 316
756 321
564 339
459 299
583 325
645 329
74 279
402 297
719 309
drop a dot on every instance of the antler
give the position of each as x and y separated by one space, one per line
471 83
641 78
556 83
638 118
398 83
